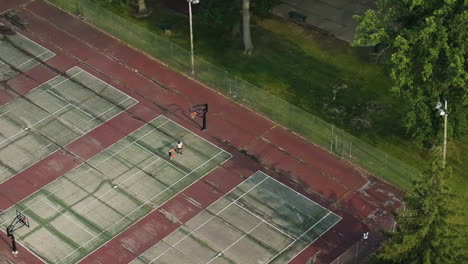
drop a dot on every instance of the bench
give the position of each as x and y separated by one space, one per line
167 28
297 16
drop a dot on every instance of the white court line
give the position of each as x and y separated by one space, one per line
208 172
67 79
66 100
200 137
81 71
24 131
235 242
115 186
285 202
169 163
39 93
73 130
209 219
34 253
258 217
159 193
80 173
86 230
83 111
314 240
137 209
206 209
37 44
99 80
236 203
46 146
300 194
107 84
138 196
21 64
290 244
36 56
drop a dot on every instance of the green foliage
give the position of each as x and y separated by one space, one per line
262 8
425 234
118 5
427 45
221 14
225 14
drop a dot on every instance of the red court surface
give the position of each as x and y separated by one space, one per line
363 201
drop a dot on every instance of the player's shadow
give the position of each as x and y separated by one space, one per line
5 240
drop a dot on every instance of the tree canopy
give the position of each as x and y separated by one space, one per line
425 233
426 43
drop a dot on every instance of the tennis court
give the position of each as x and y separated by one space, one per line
88 206
19 54
52 115
259 221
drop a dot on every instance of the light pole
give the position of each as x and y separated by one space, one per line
190 2
443 112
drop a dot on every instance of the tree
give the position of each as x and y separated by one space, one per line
425 233
248 46
426 45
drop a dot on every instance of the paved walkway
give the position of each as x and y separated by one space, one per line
334 16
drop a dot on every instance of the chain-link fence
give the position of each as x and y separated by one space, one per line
361 250
326 135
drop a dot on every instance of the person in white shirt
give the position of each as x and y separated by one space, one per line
179 147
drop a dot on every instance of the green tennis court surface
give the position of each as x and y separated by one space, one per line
260 221
88 206
53 115
19 54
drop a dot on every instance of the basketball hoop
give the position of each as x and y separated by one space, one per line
19 221
199 110
22 219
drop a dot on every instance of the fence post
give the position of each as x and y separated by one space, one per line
331 141
336 144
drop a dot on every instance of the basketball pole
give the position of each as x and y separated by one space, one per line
13 241
204 117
